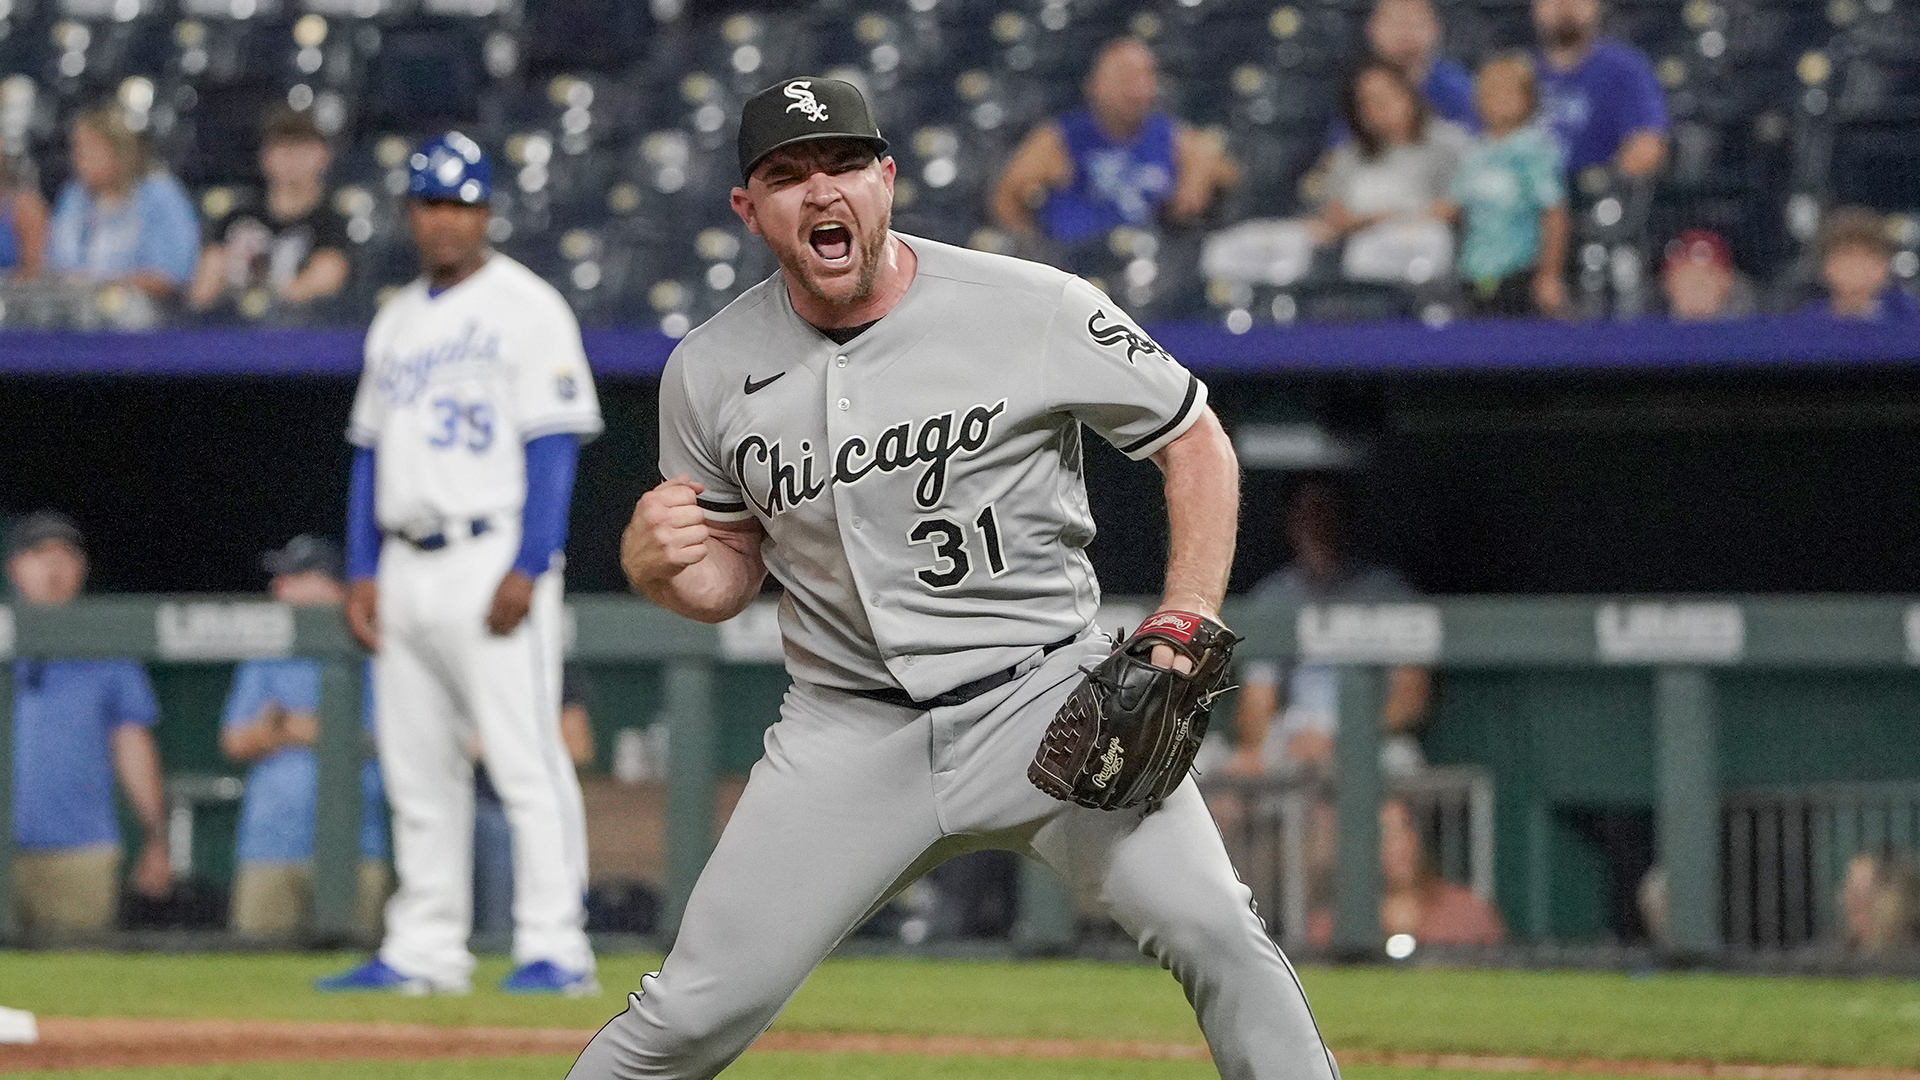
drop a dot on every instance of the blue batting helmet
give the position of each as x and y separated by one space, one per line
451 168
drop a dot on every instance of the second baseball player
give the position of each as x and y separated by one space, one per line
467 426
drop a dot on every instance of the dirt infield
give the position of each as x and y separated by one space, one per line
102 1043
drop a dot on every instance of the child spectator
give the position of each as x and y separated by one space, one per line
291 251
1700 282
1854 252
116 221
1510 191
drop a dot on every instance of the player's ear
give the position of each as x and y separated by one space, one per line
888 169
743 206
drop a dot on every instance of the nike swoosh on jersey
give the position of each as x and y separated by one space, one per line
756 387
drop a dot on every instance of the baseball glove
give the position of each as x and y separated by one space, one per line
1128 733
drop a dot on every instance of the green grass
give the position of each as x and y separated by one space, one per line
1864 1022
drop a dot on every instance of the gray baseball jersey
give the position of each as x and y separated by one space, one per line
921 485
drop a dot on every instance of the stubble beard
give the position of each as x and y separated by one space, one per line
872 249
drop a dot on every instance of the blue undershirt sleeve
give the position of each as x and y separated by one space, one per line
363 530
551 462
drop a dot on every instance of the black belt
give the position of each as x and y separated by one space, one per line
435 541
959 695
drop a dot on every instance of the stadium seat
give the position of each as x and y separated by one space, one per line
426 75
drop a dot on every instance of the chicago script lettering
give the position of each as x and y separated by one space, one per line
775 484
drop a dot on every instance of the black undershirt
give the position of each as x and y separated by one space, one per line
840 335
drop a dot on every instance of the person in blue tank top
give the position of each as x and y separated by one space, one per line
1117 162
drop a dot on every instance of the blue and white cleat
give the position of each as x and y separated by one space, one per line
376 977
547 977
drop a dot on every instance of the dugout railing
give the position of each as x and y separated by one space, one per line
1269 825
1678 649
1790 850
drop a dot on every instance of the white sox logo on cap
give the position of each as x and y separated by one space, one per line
802 94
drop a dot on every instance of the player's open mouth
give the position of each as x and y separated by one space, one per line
832 242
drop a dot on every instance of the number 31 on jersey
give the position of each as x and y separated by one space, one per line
952 562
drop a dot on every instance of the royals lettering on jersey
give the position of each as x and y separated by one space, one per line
453 387
920 485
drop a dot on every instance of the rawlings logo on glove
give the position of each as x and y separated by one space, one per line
1128 733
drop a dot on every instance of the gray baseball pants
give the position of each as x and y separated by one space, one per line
855 799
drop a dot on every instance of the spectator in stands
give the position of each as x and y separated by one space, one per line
1854 256
119 221
1880 902
23 226
1316 521
290 252
1510 192
493 836
76 724
1598 95
1414 898
271 722
1119 161
1386 188
1406 34
1699 280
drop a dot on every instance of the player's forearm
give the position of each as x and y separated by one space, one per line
1203 514
712 590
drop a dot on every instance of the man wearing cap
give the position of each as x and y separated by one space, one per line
467 429
271 721
892 427
76 724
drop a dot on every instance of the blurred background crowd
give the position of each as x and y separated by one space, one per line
1234 161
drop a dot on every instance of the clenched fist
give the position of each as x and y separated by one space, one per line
668 533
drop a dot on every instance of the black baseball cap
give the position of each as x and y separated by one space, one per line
41 526
801 110
305 553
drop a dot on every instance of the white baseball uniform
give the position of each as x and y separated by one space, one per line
920 486
455 385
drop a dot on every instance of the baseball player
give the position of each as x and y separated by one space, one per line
466 428
892 427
